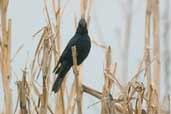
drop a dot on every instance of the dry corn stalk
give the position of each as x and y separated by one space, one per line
77 80
60 106
92 92
83 7
46 60
107 84
147 44
140 91
23 92
5 56
156 52
156 48
71 99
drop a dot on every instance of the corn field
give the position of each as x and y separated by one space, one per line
140 93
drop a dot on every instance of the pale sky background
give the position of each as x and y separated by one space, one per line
106 26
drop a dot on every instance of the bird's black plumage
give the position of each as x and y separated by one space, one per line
82 42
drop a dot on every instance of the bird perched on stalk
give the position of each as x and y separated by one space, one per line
82 42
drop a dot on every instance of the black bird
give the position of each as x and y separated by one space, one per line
82 42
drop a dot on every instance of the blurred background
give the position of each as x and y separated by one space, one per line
120 24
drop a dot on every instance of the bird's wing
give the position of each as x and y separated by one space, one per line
67 51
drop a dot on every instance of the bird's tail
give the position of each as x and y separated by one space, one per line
63 69
57 84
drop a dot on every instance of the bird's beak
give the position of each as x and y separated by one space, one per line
83 22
